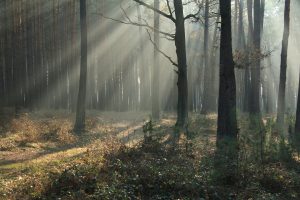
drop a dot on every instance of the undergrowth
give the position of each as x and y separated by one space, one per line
24 131
265 168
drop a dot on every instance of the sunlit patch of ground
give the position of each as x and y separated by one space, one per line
35 134
45 136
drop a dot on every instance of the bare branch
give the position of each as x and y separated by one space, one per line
170 36
169 8
194 16
170 16
160 51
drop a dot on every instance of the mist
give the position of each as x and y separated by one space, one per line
208 83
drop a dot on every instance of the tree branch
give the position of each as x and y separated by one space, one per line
192 16
169 8
195 16
130 22
170 16
160 51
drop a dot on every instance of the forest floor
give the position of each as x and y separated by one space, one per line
35 137
41 158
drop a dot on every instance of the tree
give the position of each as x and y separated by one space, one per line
144 92
297 123
241 43
227 122
182 107
283 66
254 106
8 55
207 92
247 83
2 60
241 47
213 63
180 43
80 112
155 72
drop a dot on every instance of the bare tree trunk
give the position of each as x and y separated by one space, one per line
270 92
241 35
247 82
212 62
73 58
241 47
235 24
155 72
255 70
80 112
262 14
142 64
283 66
182 107
227 123
207 92
297 123
17 58
2 57
8 59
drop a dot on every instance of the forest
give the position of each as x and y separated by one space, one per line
150 99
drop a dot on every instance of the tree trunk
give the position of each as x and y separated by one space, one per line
155 72
235 24
182 107
247 82
270 82
227 123
262 14
73 58
283 66
143 69
212 62
241 47
207 92
255 70
297 124
241 36
7 52
80 112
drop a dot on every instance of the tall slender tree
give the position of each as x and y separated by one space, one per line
155 70
297 123
81 101
255 70
142 63
247 79
2 57
182 104
207 92
241 47
227 122
283 65
214 52
241 42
